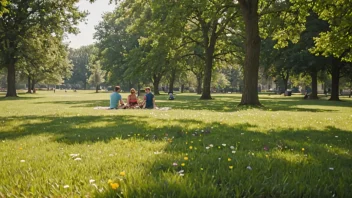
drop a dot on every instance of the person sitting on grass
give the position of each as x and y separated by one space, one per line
149 100
171 96
115 99
132 100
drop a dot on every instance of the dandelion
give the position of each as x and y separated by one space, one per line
185 158
302 149
174 164
233 152
232 147
91 181
183 164
122 173
114 186
229 159
207 147
20 148
22 161
211 145
66 186
110 181
191 147
78 159
223 144
230 167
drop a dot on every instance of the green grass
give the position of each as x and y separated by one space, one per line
289 148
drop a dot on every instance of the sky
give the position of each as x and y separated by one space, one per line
85 37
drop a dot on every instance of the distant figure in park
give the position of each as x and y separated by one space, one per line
306 95
132 100
149 100
171 96
116 99
54 90
65 90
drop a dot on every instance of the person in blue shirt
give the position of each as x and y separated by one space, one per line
115 99
149 100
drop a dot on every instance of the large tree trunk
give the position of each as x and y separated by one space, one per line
33 86
11 80
249 10
207 78
156 87
314 94
29 85
335 80
199 84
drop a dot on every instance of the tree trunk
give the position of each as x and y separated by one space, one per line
156 86
249 10
29 85
314 94
172 80
335 80
199 84
182 88
97 89
33 86
11 81
206 95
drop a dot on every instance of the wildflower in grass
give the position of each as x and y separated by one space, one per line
186 142
111 155
182 174
211 145
249 167
230 167
336 136
223 144
219 158
242 133
181 171
207 147
266 148
195 148
110 181
183 164
267 156
191 147
232 147
114 186
66 186
174 164
302 149
185 158
229 159
91 181
191 142
22 161
74 155
78 159
122 173
20 148
233 152
219 147
201 169
331 168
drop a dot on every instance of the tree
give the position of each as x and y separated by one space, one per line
97 75
51 17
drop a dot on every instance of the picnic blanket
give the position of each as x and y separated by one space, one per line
108 108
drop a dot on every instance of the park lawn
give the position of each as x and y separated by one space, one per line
289 148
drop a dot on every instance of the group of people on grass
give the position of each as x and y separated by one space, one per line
116 101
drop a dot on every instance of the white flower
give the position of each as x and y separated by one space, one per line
249 168
219 158
336 136
223 144
232 147
181 171
23 161
233 152
95 186
157 152
78 159
66 186
331 168
91 181
242 133
74 155
207 147
182 175
211 145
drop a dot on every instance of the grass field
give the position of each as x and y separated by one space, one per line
57 145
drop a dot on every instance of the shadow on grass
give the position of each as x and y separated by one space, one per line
289 171
21 96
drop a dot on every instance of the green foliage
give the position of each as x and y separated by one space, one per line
97 74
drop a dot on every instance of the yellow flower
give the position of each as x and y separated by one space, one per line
267 156
110 181
230 167
183 164
185 158
302 149
20 148
122 173
191 147
201 169
229 159
114 185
